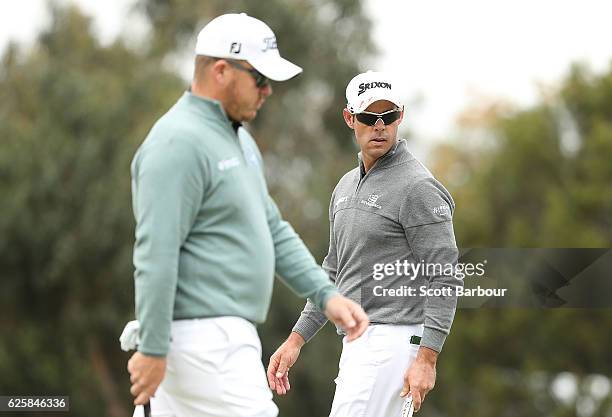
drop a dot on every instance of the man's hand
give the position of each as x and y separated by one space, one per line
281 361
420 378
146 373
348 315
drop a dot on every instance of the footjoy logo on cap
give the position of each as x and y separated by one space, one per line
376 84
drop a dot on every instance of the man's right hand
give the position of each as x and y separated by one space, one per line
146 373
348 315
280 362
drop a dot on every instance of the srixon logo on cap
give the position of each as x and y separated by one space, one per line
375 84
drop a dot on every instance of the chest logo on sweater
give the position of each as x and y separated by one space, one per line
371 201
230 163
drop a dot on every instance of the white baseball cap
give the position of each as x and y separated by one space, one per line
242 37
368 87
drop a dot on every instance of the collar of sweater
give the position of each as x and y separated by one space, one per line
396 155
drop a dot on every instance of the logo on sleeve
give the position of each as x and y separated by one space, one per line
442 210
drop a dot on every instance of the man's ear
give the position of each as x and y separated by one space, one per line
219 71
348 118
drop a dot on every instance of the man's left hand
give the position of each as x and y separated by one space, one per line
420 377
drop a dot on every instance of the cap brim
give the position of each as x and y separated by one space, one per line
366 103
275 68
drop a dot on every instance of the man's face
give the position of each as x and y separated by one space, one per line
374 141
244 98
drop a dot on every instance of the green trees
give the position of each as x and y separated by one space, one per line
72 113
541 178
538 177
71 116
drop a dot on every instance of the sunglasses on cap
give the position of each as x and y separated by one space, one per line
370 119
260 79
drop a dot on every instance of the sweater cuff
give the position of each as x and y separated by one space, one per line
155 353
433 339
326 293
307 328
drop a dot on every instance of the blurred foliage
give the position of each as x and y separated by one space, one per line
72 113
537 177
71 116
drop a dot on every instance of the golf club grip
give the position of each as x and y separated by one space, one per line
407 407
147 409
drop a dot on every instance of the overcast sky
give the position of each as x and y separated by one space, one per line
447 54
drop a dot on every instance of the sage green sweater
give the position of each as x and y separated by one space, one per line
208 236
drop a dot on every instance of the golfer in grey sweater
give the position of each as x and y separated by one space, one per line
392 249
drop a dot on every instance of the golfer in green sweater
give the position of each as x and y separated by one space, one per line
209 238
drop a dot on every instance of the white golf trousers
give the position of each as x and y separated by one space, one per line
372 368
214 369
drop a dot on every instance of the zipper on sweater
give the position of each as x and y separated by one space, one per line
376 163
244 161
362 179
236 140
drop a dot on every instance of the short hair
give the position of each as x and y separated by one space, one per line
202 62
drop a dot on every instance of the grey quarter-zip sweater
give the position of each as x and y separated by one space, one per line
395 214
